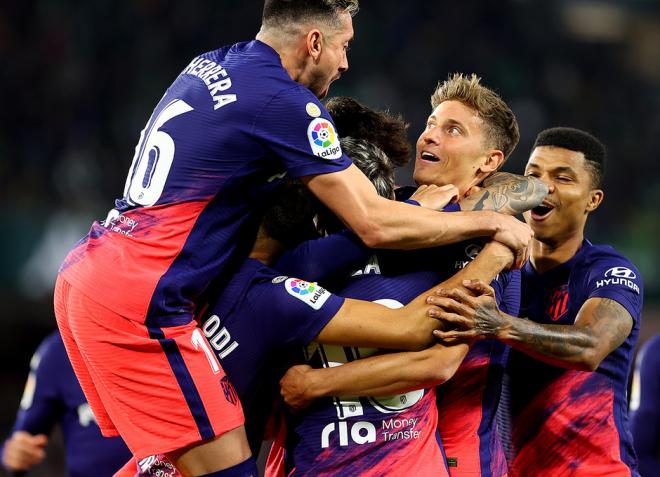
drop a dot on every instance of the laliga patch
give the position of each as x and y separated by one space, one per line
307 292
323 139
313 110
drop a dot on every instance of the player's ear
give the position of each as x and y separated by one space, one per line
595 198
494 160
314 42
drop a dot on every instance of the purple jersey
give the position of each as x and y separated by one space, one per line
52 395
374 435
645 408
226 131
258 319
568 422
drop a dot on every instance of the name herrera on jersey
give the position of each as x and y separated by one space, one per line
214 77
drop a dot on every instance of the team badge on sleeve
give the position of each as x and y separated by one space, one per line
323 139
313 110
307 292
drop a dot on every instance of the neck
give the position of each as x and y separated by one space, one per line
547 255
266 249
286 49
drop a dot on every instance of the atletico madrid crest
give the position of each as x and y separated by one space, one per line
228 390
558 303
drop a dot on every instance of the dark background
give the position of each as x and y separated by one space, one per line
79 79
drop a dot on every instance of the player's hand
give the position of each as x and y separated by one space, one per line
23 451
434 197
471 317
295 387
516 235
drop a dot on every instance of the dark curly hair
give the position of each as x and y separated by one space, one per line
380 128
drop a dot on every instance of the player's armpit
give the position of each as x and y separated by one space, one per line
506 193
381 375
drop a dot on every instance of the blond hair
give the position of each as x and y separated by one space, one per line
501 125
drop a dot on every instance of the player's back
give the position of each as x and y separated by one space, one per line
219 141
368 436
569 422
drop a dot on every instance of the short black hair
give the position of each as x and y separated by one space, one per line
380 128
289 218
285 12
577 140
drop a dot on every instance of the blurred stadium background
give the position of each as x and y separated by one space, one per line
79 80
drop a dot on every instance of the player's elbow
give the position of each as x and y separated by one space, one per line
372 233
432 373
590 360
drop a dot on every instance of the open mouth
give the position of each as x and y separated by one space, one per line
542 211
427 156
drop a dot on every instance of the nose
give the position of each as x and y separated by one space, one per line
343 65
546 180
429 136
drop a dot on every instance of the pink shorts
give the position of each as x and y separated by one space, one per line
161 389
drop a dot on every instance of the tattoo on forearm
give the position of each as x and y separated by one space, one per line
560 341
604 328
507 193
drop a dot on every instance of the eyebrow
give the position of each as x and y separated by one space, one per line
449 122
556 170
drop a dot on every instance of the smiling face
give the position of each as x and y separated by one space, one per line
332 60
571 195
453 148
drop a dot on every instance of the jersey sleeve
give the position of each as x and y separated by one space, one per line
41 404
294 311
325 258
296 127
645 407
614 277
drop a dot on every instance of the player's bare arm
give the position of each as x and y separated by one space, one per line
382 223
506 193
397 372
601 326
367 324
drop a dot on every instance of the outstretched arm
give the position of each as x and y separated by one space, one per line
382 223
381 375
601 326
396 372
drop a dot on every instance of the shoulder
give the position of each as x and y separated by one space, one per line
599 254
607 266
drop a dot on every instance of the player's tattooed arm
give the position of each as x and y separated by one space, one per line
506 193
601 326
